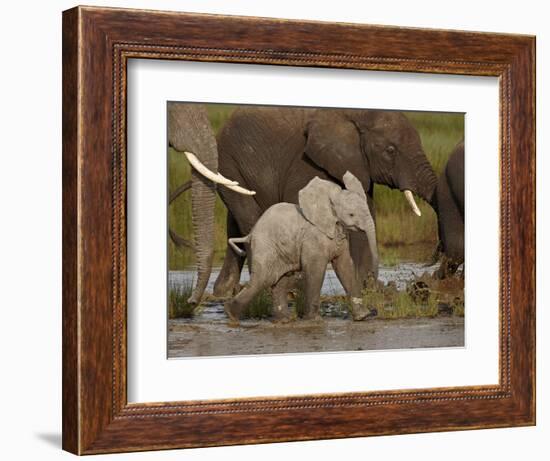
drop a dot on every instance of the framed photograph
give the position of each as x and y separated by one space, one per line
281 230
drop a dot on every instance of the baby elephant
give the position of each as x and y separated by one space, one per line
306 237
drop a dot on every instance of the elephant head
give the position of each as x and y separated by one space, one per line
325 205
190 132
376 146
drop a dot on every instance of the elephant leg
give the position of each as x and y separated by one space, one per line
451 230
314 268
227 283
280 298
313 285
265 274
361 256
361 261
235 306
345 271
444 270
243 212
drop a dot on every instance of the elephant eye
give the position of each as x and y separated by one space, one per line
390 149
351 215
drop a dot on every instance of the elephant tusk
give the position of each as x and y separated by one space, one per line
232 183
215 177
241 190
412 203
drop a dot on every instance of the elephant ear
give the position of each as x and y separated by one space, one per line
315 203
334 144
354 185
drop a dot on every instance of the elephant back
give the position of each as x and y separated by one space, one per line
257 147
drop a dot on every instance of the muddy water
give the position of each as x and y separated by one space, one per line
208 333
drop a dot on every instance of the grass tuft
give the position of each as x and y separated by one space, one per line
299 295
393 304
261 307
178 307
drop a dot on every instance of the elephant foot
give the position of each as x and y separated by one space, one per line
287 318
283 320
233 323
194 300
281 314
360 313
313 316
229 309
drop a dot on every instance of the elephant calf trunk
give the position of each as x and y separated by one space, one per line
370 231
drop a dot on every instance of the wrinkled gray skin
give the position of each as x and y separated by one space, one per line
277 151
189 130
450 206
291 238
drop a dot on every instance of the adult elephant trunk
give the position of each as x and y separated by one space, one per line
425 181
203 199
190 133
189 130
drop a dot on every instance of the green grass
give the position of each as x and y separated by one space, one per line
397 225
178 307
218 114
424 297
439 132
300 299
399 304
398 229
458 307
261 307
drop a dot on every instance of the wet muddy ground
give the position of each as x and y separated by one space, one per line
208 333
196 339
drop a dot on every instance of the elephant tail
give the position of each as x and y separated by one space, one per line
233 243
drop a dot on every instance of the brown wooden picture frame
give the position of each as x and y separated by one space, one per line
97 44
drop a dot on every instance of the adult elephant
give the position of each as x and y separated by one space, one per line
277 151
190 133
449 199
